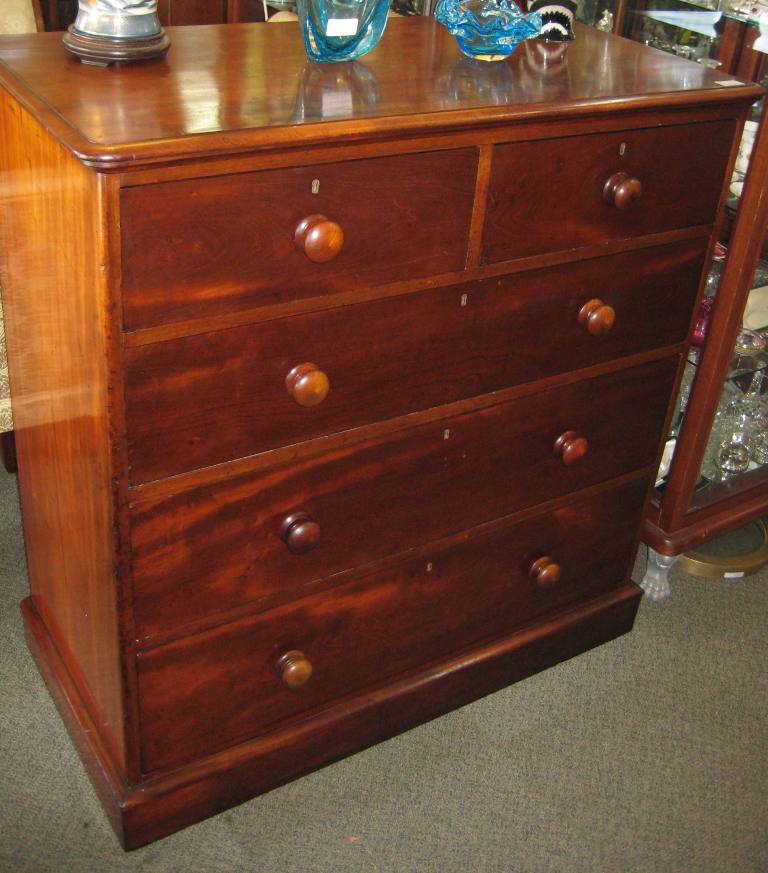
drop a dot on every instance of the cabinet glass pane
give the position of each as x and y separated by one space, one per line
690 30
736 455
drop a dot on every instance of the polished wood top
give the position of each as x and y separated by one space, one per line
229 88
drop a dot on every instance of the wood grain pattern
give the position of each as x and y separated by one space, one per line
229 242
219 396
406 538
549 195
55 299
165 804
234 89
212 549
416 613
262 313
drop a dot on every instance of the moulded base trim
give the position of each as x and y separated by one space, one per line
166 803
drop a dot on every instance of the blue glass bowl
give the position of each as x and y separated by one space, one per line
489 30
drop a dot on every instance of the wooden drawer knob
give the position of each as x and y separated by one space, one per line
300 533
596 317
545 572
307 384
622 190
294 669
571 447
319 238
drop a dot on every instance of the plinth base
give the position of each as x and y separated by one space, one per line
160 804
104 50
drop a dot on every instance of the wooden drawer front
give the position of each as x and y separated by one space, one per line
228 242
207 692
546 196
205 399
202 552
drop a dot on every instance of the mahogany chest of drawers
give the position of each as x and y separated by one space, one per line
339 391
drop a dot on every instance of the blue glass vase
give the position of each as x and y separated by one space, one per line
341 30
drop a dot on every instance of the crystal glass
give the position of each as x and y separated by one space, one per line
735 443
489 30
709 467
341 30
741 429
748 352
755 407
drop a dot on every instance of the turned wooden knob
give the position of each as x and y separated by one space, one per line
294 669
300 532
545 572
621 190
307 384
571 447
597 317
319 238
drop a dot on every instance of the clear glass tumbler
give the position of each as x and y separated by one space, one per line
736 442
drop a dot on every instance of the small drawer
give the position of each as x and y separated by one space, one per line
260 238
205 693
583 190
269 536
200 400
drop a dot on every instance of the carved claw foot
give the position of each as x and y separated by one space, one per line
655 583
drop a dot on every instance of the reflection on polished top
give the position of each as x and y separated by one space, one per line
228 88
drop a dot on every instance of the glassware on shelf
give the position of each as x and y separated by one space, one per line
715 269
748 353
682 398
739 438
704 316
735 442
709 465
341 30
754 403
606 22
749 342
707 302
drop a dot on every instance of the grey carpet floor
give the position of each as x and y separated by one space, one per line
647 754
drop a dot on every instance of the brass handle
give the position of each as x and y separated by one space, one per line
597 317
294 669
545 572
319 238
300 532
622 190
307 384
571 447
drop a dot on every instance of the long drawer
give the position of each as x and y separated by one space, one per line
552 195
205 399
207 692
230 242
272 534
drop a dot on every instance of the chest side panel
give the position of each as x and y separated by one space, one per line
55 297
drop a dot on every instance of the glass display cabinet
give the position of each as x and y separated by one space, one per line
718 33
714 476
